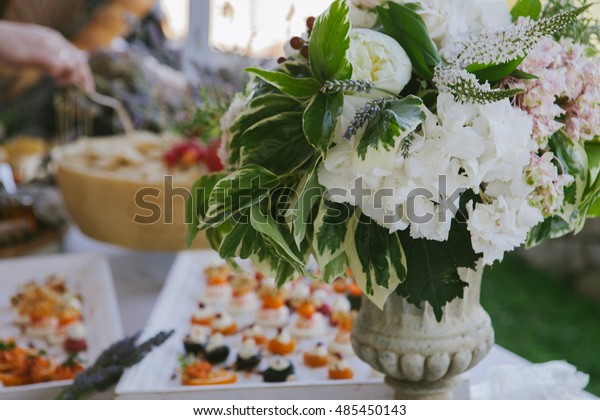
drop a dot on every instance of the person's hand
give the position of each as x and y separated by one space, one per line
26 45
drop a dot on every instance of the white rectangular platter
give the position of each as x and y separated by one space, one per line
87 275
154 377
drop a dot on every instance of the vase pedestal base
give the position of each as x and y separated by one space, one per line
437 390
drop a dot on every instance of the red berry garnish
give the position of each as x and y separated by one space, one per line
179 148
310 23
171 157
304 51
212 158
281 60
75 345
297 43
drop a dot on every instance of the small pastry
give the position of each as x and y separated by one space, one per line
76 341
339 308
224 324
282 343
321 299
195 342
217 288
300 293
200 372
280 369
215 350
243 297
69 369
43 327
249 355
340 286
339 369
316 357
255 332
309 322
341 344
273 312
70 312
204 315
21 319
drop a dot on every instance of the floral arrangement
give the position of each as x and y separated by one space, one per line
407 139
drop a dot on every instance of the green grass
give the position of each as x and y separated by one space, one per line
537 316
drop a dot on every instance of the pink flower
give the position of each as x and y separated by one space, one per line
548 186
566 93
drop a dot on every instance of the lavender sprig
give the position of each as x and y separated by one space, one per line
364 115
111 363
358 86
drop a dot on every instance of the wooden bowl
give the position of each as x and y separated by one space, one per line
116 206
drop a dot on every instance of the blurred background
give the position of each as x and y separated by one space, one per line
161 73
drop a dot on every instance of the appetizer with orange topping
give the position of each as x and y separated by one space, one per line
196 372
218 288
19 366
282 343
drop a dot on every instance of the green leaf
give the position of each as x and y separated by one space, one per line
574 160
259 109
291 86
238 191
329 42
330 227
520 74
265 224
376 258
197 204
551 228
432 271
494 72
590 202
374 248
398 116
526 8
276 143
232 244
309 196
335 268
594 209
320 119
409 30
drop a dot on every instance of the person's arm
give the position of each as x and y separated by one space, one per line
27 45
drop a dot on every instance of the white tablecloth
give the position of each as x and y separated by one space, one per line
139 277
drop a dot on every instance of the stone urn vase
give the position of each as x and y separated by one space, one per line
421 357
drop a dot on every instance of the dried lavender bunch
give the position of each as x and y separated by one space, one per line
335 86
364 115
109 366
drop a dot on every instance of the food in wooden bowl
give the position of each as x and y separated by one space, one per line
129 190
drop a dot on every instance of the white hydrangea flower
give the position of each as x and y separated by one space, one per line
378 58
501 226
485 148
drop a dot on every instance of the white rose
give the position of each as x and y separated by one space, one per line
380 59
